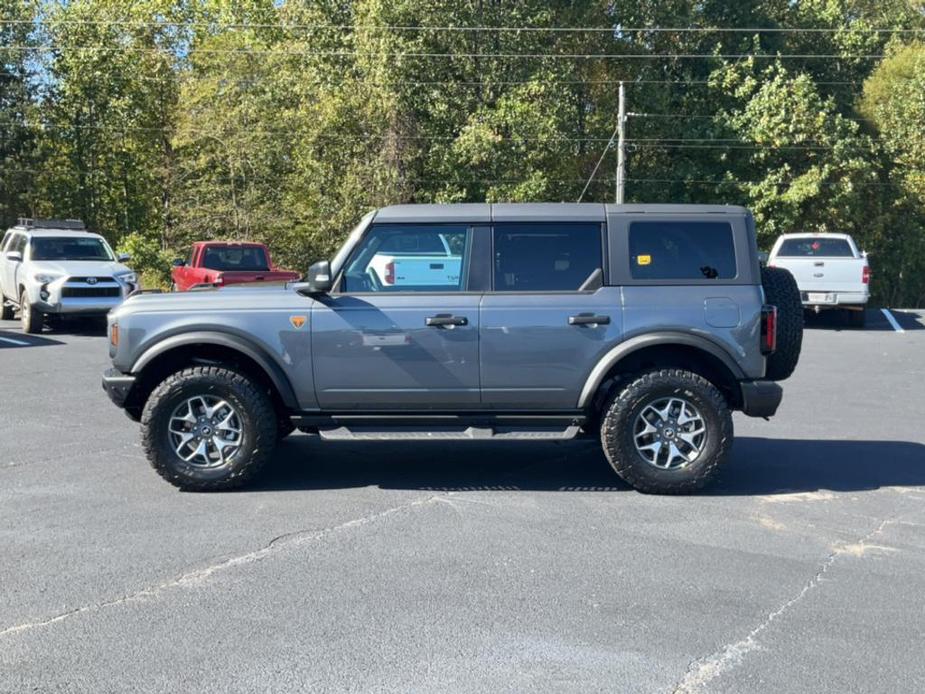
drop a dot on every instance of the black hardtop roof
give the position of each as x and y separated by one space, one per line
536 211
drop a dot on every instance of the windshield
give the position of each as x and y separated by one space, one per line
235 258
815 247
69 248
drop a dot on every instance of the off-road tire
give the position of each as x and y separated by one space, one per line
6 310
780 290
619 417
259 428
30 317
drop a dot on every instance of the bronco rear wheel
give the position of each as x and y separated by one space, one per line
667 432
208 428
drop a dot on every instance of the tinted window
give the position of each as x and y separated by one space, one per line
409 258
69 248
815 247
231 258
546 257
681 250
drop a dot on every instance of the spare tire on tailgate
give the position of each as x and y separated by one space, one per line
780 290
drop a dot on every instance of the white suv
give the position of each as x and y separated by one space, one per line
56 267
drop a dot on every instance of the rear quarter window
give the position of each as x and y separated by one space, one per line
681 250
815 248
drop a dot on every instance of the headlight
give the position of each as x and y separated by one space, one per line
129 278
45 279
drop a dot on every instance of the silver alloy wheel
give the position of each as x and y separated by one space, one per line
669 433
205 430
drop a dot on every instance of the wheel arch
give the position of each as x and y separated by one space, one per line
177 352
664 350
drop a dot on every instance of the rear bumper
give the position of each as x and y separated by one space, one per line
835 299
118 386
760 398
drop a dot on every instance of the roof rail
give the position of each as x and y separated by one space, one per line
30 223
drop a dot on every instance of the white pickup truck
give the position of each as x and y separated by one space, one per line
830 270
406 260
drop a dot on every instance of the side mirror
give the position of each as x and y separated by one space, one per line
124 257
15 256
763 257
179 262
319 278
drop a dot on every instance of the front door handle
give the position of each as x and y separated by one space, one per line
588 319
445 320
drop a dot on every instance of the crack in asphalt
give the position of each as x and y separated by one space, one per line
702 671
102 451
201 575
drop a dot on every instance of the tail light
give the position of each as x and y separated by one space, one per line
390 273
865 275
768 329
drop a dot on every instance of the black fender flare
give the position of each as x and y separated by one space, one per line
231 341
634 344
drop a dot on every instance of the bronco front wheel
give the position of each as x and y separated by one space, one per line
208 428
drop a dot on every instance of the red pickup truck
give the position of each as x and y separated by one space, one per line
221 263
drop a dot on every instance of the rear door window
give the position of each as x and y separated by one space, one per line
550 257
815 248
681 250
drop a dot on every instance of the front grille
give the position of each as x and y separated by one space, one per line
85 292
85 279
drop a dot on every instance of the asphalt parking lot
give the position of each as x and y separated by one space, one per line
470 567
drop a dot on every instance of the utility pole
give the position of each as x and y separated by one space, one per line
621 147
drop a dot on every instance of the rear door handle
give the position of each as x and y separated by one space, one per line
445 320
588 319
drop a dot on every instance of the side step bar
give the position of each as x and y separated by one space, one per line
446 433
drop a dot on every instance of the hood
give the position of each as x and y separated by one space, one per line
243 297
79 268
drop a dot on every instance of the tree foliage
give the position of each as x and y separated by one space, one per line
164 121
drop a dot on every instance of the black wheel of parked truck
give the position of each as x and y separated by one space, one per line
208 428
6 309
780 290
30 318
667 431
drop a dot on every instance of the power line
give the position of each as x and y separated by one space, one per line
630 82
616 28
412 54
641 142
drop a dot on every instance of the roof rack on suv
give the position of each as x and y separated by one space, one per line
73 224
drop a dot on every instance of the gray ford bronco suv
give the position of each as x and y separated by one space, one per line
643 325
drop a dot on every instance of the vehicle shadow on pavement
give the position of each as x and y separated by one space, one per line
768 466
95 327
17 340
758 466
876 321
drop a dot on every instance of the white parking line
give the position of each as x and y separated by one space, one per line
14 342
889 316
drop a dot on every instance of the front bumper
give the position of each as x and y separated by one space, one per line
118 386
73 297
760 398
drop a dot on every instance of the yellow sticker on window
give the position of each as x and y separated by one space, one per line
644 259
